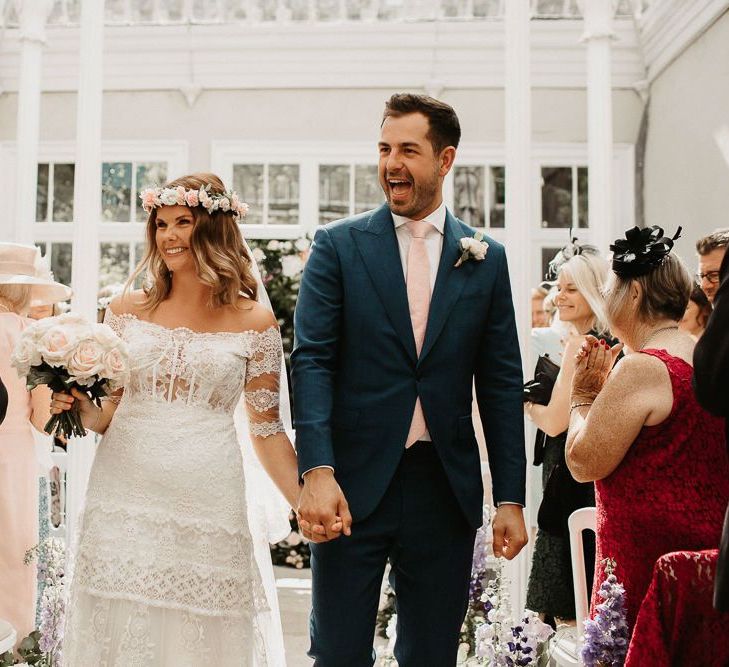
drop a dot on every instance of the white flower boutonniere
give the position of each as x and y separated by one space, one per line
472 248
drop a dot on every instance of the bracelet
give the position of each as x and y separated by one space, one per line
574 406
98 416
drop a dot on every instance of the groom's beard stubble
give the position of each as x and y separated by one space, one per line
423 199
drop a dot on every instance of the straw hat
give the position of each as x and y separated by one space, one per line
23 265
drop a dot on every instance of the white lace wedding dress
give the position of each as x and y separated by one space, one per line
164 571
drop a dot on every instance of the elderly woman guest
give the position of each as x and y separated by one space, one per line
657 457
581 273
19 284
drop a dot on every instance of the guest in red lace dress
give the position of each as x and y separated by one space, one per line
658 459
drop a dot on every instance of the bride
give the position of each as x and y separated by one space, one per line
166 570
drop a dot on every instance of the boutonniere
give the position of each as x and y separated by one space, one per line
472 248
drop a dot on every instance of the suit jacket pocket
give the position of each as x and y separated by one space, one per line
345 419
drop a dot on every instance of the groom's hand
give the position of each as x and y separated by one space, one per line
510 534
323 510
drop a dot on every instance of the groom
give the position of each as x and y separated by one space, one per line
390 335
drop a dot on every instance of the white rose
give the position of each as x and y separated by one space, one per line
258 255
115 364
26 354
286 246
57 344
273 245
86 361
168 197
302 245
291 266
477 249
105 336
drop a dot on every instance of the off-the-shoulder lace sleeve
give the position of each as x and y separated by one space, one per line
117 323
263 376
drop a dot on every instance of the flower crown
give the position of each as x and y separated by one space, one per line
641 251
228 202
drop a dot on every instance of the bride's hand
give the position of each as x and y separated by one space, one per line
61 401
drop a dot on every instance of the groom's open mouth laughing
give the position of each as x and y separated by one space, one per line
400 188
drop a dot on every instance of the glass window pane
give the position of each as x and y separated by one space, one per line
61 258
333 192
367 191
248 183
41 194
113 264
283 194
63 178
582 210
497 197
149 175
468 195
116 191
557 197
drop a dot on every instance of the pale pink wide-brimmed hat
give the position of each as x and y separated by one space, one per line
23 265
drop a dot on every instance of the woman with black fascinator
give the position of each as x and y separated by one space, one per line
657 458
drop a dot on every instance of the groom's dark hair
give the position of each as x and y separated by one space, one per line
445 130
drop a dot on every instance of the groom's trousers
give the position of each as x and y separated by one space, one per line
421 529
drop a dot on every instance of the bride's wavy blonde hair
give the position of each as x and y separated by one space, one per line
221 259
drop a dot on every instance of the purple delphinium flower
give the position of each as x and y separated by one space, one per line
606 635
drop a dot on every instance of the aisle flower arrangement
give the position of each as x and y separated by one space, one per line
606 635
490 636
43 647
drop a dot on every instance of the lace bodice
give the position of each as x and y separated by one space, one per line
208 370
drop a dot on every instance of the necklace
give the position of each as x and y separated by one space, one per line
657 331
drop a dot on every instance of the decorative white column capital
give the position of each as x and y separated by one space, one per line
32 15
598 18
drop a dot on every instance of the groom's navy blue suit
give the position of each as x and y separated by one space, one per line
356 376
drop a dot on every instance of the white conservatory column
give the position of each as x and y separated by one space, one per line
87 214
32 15
598 17
517 140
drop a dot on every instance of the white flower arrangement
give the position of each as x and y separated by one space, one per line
472 247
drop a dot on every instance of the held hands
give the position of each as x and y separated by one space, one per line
595 360
509 530
323 513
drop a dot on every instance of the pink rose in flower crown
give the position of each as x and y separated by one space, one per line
149 199
180 195
203 197
224 204
191 198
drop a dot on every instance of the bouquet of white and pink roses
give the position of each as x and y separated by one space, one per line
68 352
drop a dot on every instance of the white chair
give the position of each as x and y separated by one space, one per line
564 648
8 636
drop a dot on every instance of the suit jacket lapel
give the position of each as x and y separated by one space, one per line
377 244
449 283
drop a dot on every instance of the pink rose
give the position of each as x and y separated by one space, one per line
115 365
86 361
57 344
243 209
180 195
224 204
191 198
149 197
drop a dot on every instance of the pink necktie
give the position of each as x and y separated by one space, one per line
418 287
